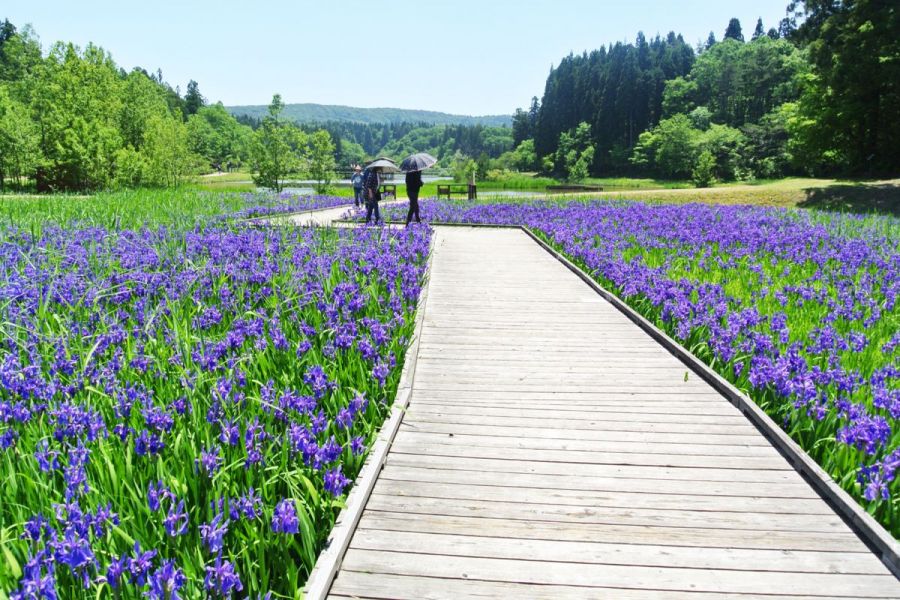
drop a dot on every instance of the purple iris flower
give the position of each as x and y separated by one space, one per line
335 482
221 578
213 533
165 582
284 519
176 521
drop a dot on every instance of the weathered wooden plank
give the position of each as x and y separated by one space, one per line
603 515
547 388
646 423
571 347
573 482
596 498
589 371
737 559
565 395
699 438
568 456
636 577
549 415
616 534
709 408
623 447
383 586
504 360
592 470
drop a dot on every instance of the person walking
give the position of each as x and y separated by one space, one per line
372 183
413 185
357 181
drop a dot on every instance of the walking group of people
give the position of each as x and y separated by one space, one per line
367 192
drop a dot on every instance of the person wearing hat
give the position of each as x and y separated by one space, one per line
357 180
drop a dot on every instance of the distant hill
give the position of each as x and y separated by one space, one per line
319 113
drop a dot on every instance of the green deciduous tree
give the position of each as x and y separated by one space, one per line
854 98
142 99
727 146
524 157
20 53
321 160
167 152
276 148
19 152
738 82
672 149
464 168
668 149
766 152
704 173
76 99
575 153
215 135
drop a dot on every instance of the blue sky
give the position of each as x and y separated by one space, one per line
466 56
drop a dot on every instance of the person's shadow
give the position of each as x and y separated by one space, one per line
882 198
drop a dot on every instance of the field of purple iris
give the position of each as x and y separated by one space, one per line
799 309
183 407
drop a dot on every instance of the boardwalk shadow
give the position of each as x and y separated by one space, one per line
880 198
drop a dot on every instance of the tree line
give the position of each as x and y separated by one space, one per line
72 120
817 95
357 141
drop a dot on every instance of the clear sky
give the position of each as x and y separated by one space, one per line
466 56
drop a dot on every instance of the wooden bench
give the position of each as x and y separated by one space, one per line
388 189
447 190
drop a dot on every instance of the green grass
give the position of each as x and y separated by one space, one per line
118 210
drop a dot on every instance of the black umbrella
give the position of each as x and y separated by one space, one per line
418 162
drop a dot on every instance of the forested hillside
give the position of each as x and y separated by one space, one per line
817 95
320 113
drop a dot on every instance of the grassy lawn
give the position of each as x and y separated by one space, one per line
824 194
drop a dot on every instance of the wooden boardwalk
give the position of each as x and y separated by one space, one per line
554 450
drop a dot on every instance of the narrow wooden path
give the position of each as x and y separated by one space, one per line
554 450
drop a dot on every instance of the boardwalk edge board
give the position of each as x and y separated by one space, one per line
329 561
274 219
878 538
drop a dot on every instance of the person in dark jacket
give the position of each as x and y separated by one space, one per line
372 183
413 185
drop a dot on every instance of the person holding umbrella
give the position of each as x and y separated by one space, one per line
413 185
413 166
372 185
